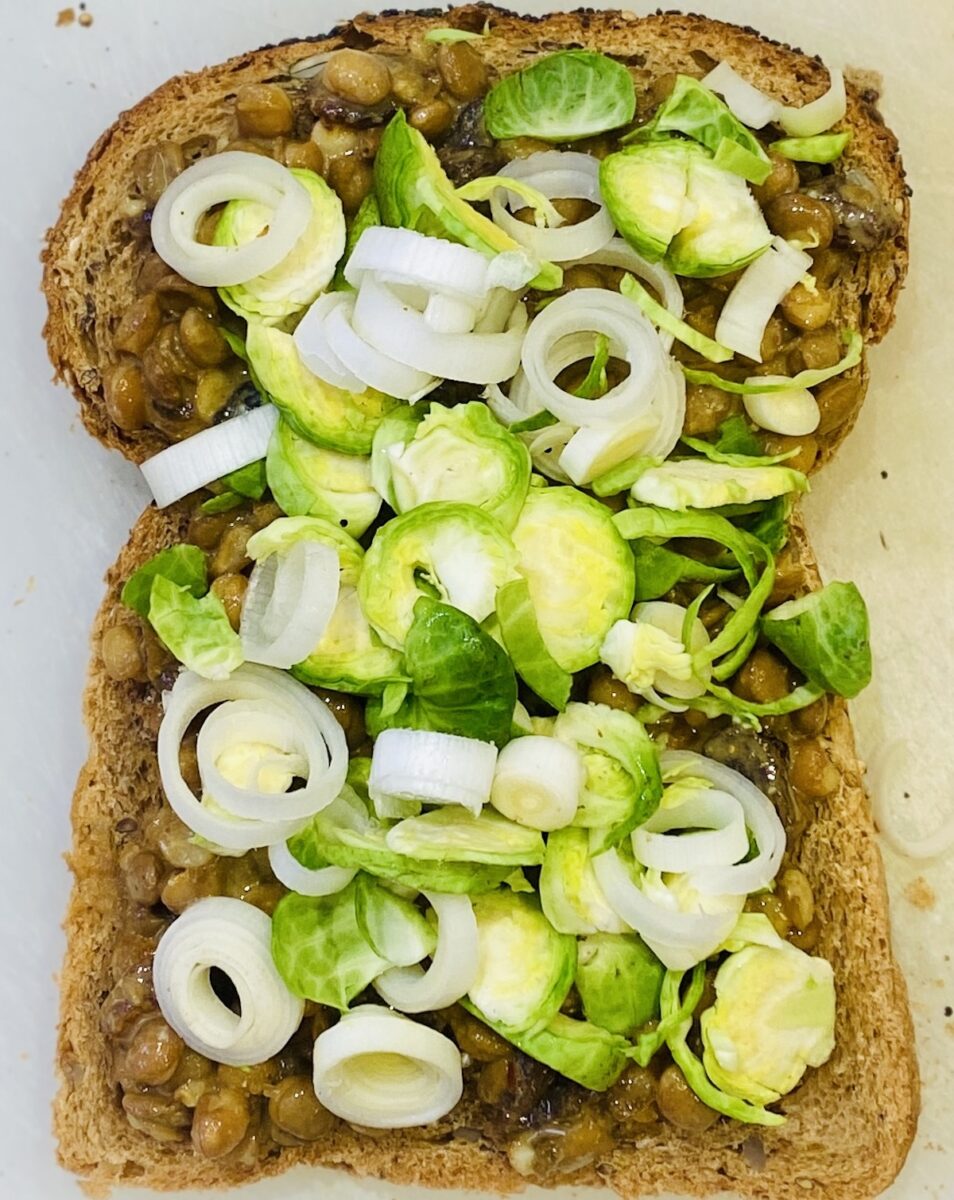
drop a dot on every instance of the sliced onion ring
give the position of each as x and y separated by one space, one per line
307 881
290 599
320 739
761 819
196 461
711 827
397 330
311 339
679 939
746 101
562 334
761 288
234 175
619 253
382 1070
235 938
556 174
402 256
453 967
437 768
368 363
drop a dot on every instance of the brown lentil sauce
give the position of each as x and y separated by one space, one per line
175 371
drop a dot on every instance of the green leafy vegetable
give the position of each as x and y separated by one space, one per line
825 634
619 980
414 192
676 1007
525 968
569 892
692 109
452 35
453 833
595 382
461 681
309 480
319 949
453 552
697 483
623 785
521 636
429 452
712 452
299 278
578 569
325 415
590 1056
804 379
184 565
659 569
662 317
392 926
774 1016
822 148
197 631
566 96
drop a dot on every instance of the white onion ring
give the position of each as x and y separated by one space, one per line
745 100
402 256
311 340
546 448
680 939
556 174
192 463
320 740
306 881
717 837
368 363
234 175
394 328
761 819
761 288
290 599
236 938
586 453
820 114
436 768
619 253
453 966
562 334
382 1070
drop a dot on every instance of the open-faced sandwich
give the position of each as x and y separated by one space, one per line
472 798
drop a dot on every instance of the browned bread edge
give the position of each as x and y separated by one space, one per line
88 276
850 1123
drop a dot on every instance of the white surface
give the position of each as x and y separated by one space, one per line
68 504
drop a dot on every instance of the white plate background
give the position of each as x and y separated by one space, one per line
882 514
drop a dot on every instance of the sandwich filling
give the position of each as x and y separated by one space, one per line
494 691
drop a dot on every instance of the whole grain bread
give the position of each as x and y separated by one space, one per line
849 1124
91 257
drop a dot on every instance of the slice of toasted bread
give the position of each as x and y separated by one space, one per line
91 258
849 1124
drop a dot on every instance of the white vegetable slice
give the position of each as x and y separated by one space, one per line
402 256
747 102
448 314
382 1070
435 768
317 737
234 175
755 109
619 253
289 603
546 450
762 287
556 174
537 782
453 966
761 819
598 448
311 339
818 115
365 361
711 827
396 329
562 334
317 881
196 461
794 412
235 938
680 939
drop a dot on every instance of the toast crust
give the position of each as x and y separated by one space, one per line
850 1123
89 261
